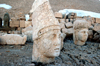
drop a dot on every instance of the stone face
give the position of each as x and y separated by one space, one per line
46 33
80 34
28 31
12 39
69 25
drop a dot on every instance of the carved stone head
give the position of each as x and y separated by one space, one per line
80 34
46 33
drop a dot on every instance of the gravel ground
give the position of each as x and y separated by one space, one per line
71 55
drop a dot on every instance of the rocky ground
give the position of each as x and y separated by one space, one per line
71 55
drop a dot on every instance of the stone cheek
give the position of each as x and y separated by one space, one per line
80 36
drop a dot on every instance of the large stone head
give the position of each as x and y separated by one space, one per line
46 32
80 34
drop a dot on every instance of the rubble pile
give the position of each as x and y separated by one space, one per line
17 26
66 24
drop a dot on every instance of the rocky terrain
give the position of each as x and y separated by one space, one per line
71 54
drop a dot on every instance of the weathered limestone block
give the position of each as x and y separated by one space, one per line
68 32
28 23
12 39
63 35
14 22
46 33
97 27
80 34
22 23
58 15
62 25
98 20
28 31
69 25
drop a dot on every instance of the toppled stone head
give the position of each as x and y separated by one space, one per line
80 34
46 33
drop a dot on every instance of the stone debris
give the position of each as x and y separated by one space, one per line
12 39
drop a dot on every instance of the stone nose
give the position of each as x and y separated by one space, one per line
57 41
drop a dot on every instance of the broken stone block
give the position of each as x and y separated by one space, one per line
68 32
62 25
14 22
58 15
28 32
98 20
80 33
28 23
97 27
69 25
22 23
12 39
46 33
